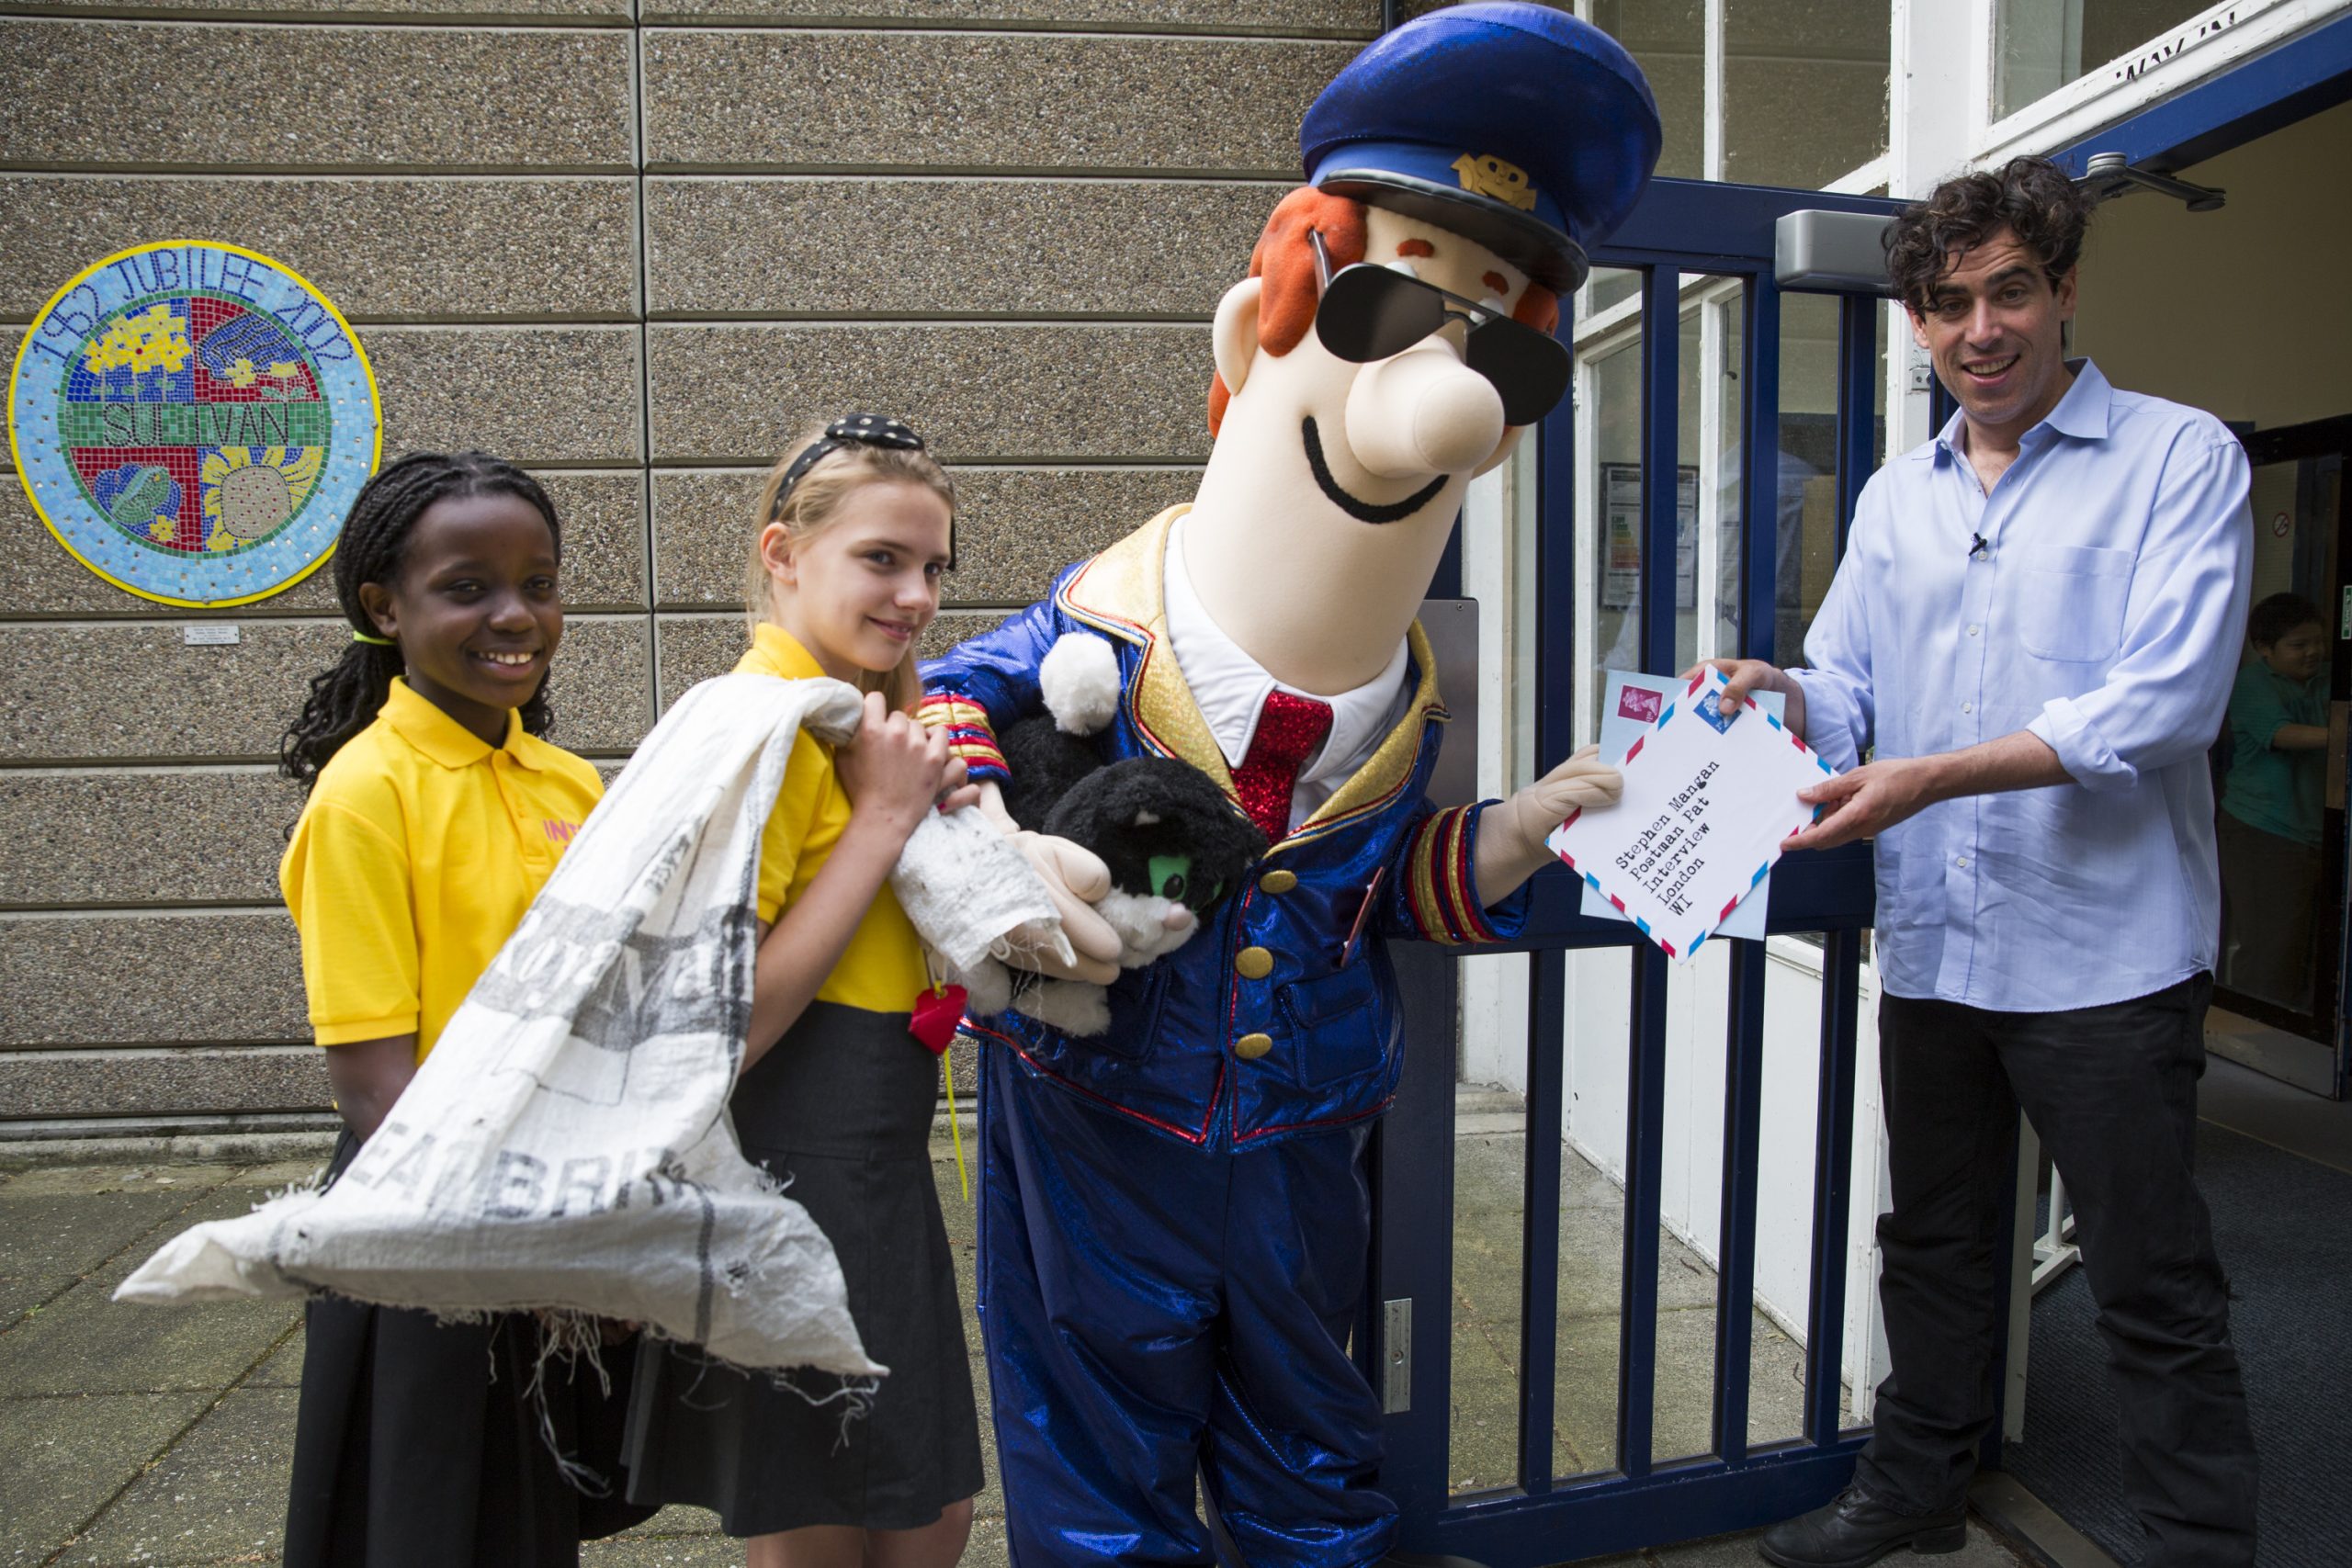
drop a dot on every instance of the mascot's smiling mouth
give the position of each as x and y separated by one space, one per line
1362 511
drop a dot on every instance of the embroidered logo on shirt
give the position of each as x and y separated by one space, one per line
559 831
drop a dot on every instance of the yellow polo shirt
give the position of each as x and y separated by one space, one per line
414 860
882 968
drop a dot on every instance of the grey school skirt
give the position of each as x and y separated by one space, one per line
841 1108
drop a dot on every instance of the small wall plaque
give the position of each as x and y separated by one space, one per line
213 634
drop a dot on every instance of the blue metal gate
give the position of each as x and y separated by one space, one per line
1682 228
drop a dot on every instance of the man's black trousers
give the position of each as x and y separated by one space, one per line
2113 1092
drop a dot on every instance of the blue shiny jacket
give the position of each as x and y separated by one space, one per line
1270 1020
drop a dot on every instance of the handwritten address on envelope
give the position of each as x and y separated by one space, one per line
1709 800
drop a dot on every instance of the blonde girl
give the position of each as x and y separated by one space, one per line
851 536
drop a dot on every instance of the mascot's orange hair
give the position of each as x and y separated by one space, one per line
1285 259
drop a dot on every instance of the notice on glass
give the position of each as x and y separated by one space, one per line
1621 500
1709 802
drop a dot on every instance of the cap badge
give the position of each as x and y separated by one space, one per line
1490 176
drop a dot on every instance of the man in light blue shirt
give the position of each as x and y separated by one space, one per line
2032 635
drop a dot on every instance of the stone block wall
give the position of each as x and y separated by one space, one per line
634 247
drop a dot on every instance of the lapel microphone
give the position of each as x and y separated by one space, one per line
1979 547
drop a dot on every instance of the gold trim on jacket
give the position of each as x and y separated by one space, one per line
1122 591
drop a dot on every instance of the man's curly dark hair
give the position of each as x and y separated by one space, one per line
2032 197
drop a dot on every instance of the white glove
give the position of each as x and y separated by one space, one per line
1077 879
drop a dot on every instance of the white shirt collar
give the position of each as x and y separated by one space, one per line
1230 687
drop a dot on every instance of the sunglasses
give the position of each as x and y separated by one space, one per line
1370 312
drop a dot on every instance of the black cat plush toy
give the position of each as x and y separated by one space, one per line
1174 844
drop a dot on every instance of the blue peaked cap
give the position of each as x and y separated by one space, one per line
1512 124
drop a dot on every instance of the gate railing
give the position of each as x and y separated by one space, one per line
1546 1517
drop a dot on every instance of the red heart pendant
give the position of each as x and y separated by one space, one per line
936 1013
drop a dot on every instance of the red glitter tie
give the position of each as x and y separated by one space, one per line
1289 730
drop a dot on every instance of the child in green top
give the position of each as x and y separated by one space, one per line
2271 800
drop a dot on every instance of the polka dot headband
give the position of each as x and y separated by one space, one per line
850 430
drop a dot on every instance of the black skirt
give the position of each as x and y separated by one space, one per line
842 1109
415 1445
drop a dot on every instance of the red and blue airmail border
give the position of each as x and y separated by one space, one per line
1710 802
193 421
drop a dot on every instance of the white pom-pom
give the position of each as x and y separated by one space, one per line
1079 677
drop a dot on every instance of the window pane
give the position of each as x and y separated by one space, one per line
1612 501
1804 89
1615 508
1805 507
1686 369
1730 539
1609 286
1667 39
2038 46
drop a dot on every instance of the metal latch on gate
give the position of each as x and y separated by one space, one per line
1396 1355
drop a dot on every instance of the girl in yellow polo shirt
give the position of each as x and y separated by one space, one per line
434 814
852 538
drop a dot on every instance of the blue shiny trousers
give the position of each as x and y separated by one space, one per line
1158 1312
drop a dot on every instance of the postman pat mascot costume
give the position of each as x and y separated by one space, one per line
1176 1216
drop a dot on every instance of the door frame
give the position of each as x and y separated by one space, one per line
2291 81
2328 1025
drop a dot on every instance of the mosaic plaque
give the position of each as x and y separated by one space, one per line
193 421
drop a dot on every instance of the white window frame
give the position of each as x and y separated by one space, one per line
2210 41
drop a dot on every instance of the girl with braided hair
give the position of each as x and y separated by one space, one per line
435 812
346 696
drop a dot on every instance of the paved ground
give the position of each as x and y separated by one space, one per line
161 1436
1488 1177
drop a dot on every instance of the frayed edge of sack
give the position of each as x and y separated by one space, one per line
855 1393
572 1337
310 1186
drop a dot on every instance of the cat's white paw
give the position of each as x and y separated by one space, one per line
1071 1005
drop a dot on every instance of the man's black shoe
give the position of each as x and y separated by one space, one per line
1854 1531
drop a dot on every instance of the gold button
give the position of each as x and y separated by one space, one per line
1255 963
1277 881
1249 1047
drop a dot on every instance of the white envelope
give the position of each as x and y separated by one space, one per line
1709 802
1629 707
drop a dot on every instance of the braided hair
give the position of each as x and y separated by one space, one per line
345 697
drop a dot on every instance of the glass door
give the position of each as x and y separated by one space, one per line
2278 771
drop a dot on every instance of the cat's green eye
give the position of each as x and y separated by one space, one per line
1168 874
